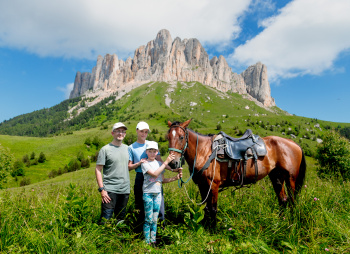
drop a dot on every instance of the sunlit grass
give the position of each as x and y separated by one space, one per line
60 215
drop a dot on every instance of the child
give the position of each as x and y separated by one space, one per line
153 172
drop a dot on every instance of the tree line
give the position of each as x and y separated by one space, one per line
53 121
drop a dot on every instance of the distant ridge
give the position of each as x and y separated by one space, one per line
164 59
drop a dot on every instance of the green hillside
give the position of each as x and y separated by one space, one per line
210 109
59 215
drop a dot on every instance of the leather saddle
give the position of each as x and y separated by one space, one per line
243 148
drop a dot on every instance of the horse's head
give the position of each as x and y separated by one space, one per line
178 139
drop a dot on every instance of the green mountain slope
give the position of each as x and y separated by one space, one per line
210 109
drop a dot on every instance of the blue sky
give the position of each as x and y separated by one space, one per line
305 45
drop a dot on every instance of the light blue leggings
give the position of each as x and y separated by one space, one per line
151 203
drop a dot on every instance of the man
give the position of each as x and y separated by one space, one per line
137 156
115 185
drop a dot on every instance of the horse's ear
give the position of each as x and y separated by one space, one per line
169 123
185 124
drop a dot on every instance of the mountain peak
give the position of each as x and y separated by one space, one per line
164 59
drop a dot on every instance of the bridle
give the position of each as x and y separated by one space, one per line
182 151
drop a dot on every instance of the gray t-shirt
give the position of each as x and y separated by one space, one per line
115 161
152 184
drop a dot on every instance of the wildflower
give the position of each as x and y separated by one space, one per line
229 229
315 199
305 186
326 249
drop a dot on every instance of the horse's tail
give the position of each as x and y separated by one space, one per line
301 176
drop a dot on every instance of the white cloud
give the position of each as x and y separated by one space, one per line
86 28
66 90
305 37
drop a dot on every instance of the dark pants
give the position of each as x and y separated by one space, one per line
139 201
117 206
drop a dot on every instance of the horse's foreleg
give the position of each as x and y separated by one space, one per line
205 193
213 209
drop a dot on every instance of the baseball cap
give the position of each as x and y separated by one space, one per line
118 125
142 126
152 145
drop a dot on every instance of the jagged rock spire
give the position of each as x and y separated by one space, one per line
164 59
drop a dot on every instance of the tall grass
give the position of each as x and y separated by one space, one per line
61 215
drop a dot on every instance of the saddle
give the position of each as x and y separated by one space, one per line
235 150
245 147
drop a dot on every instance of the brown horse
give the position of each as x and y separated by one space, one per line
284 163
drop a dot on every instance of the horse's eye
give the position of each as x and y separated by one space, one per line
181 138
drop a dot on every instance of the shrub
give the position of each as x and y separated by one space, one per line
25 159
18 168
25 181
32 156
163 150
85 163
42 158
52 174
87 141
74 165
6 160
60 171
130 138
94 157
333 156
80 156
97 142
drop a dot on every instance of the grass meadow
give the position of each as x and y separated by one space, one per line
60 215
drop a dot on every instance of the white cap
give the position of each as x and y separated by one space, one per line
152 145
142 126
118 125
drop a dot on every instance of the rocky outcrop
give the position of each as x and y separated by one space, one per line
163 59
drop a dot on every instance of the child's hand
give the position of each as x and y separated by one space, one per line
170 158
179 170
179 175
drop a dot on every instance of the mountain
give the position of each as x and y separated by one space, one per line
164 59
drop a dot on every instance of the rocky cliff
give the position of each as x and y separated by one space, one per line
164 59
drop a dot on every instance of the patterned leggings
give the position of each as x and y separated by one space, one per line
152 205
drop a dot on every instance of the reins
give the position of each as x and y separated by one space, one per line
180 181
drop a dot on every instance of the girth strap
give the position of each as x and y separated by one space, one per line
206 165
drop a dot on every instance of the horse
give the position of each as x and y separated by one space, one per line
284 163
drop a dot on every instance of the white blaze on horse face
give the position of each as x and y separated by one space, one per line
174 133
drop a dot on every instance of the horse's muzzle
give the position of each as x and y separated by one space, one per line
177 163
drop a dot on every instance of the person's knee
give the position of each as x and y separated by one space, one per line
107 213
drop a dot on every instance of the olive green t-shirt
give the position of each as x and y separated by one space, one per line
115 161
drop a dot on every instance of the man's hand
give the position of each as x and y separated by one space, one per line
105 198
179 175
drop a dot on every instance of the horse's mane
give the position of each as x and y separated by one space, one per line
175 123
